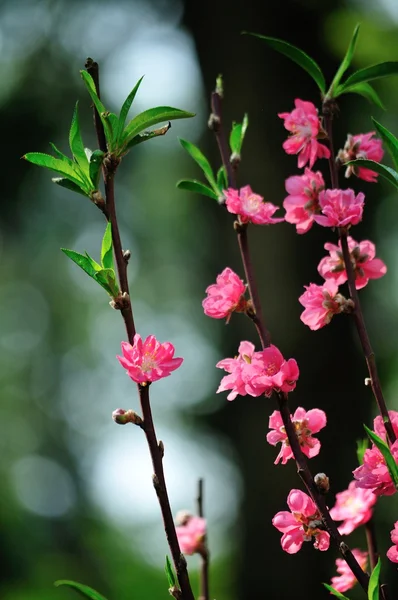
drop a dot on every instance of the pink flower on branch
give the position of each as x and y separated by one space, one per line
379 428
361 146
392 553
302 524
373 474
354 506
305 128
321 302
305 424
149 360
363 260
346 578
191 532
303 200
250 207
257 373
340 208
225 296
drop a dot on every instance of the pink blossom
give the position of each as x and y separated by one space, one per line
361 146
392 553
321 302
305 424
250 207
354 507
305 127
363 260
340 208
302 202
302 524
191 532
373 474
379 428
346 579
257 373
149 360
225 296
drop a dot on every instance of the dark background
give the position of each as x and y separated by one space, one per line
76 499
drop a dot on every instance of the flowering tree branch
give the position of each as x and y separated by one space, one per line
124 304
328 111
204 550
282 398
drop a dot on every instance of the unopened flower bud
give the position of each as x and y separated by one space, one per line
214 122
121 417
183 517
368 381
126 255
235 160
161 448
322 483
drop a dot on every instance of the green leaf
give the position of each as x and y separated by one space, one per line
69 185
365 90
55 164
373 589
107 279
93 263
113 124
90 85
151 117
170 573
201 160
297 56
386 172
389 140
345 62
386 452
384 69
126 107
63 157
76 142
107 249
237 135
145 136
84 262
96 159
83 590
335 592
362 446
222 181
198 188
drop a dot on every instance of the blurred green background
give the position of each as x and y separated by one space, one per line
76 497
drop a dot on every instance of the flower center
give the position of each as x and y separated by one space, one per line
148 362
270 369
252 203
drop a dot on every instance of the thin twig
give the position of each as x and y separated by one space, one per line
204 554
372 543
301 461
109 168
329 109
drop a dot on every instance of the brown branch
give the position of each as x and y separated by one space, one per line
204 553
372 543
156 449
301 461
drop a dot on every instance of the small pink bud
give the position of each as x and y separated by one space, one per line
121 417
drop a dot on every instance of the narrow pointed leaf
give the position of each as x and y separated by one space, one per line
126 107
96 159
362 446
90 85
222 181
107 248
296 55
151 117
113 124
335 592
69 185
62 156
389 140
83 590
201 160
54 164
386 452
237 135
93 263
386 172
82 261
191 185
373 589
76 142
346 60
145 136
378 71
169 573
363 89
